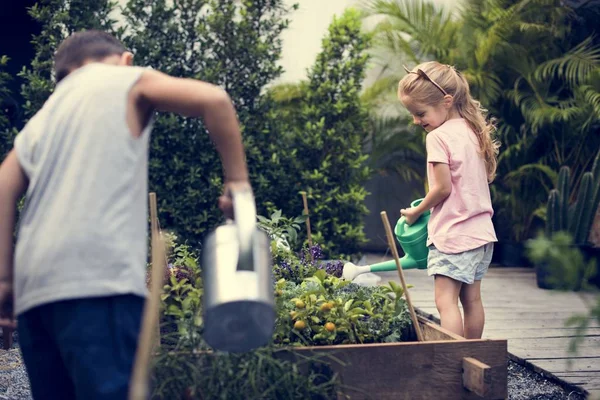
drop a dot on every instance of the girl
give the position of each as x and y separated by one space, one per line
461 162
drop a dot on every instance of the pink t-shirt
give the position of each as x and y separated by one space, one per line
463 221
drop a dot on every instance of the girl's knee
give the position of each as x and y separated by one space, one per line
472 301
445 301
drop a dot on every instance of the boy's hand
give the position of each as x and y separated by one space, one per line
7 319
226 201
411 214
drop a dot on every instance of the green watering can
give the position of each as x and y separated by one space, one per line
413 240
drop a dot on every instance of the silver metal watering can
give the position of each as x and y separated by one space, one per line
238 304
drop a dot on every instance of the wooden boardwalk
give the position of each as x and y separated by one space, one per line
532 319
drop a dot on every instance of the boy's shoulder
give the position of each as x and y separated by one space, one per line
100 75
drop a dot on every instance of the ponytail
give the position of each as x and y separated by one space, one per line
475 115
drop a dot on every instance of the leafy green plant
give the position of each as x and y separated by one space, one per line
295 267
181 300
332 310
327 310
283 230
566 266
265 373
287 265
568 270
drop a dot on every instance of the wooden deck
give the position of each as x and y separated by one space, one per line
532 319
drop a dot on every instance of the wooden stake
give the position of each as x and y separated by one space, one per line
155 231
138 389
305 201
394 249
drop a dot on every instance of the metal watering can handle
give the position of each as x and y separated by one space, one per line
244 211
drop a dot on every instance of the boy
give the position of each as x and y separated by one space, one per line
79 273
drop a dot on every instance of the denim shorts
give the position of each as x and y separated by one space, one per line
82 348
467 267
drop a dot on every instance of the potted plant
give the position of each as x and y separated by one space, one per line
575 218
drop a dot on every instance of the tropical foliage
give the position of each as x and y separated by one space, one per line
533 63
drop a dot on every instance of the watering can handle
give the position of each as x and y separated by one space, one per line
244 211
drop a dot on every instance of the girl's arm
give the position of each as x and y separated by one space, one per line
436 194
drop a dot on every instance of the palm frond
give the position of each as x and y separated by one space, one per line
591 96
418 27
575 66
541 173
397 147
384 85
546 112
486 85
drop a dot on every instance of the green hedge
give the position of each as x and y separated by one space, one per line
237 45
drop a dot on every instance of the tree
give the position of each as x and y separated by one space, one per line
58 18
329 142
229 43
5 123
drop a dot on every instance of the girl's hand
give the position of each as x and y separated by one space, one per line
410 214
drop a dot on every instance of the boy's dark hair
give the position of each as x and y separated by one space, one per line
82 46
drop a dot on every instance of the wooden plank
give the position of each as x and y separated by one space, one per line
557 319
555 343
570 364
421 370
585 380
533 355
433 332
477 377
521 324
536 332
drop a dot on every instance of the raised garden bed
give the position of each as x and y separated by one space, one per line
333 339
443 366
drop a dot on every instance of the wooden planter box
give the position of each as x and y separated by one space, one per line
444 366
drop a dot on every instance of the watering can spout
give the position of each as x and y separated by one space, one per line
407 262
412 239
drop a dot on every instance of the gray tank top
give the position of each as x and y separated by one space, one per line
83 230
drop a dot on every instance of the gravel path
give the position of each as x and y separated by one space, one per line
523 384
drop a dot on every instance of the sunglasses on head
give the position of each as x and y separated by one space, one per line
419 72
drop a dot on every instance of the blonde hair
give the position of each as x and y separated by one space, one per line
453 83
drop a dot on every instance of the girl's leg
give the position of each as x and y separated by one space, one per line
447 291
470 298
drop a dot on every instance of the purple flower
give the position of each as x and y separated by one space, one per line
334 268
316 252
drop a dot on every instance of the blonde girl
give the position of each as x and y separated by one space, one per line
461 162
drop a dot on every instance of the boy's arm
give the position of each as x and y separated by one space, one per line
13 184
193 98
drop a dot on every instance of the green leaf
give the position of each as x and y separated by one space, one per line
348 304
